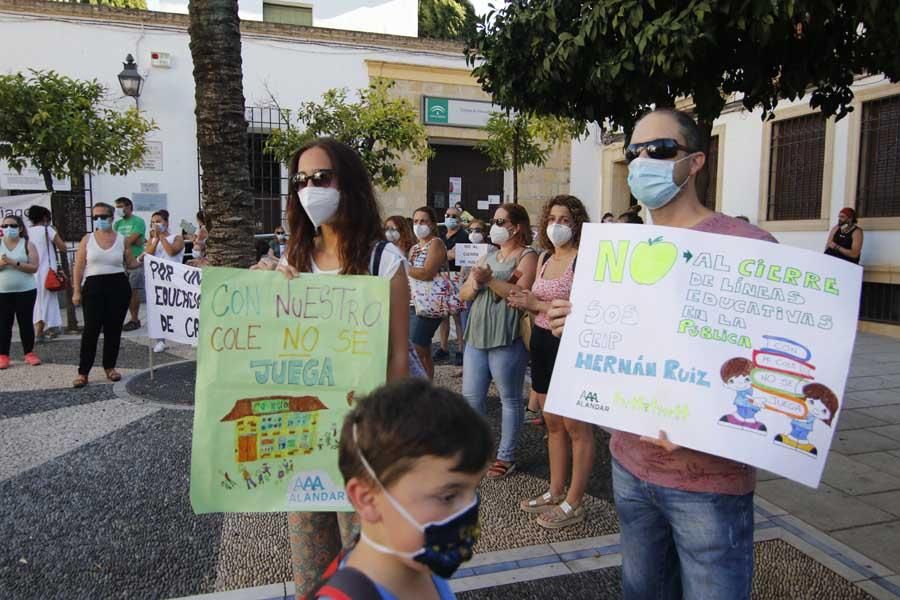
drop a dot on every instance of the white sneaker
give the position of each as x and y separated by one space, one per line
159 347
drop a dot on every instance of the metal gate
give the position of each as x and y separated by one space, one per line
268 177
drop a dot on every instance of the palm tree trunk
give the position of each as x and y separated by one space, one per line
222 131
228 204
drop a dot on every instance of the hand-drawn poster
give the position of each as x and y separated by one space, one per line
278 366
735 347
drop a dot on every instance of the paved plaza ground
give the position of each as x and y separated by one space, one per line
94 498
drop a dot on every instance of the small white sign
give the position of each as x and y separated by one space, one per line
455 185
173 300
149 188
29 179
468 255
494 199
153 157
484 205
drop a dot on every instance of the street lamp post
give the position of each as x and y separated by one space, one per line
130 80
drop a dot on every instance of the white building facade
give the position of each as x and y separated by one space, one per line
791 175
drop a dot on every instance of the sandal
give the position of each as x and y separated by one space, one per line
80 381
500 469
541 503
113 375
561 516
534 417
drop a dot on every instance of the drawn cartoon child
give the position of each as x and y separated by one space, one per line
228 483
822 404
248 478
735 374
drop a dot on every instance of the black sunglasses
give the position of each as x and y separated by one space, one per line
318 178
661 148
105 217
499 222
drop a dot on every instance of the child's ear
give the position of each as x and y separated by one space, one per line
362 496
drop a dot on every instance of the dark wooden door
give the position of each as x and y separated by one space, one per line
471 166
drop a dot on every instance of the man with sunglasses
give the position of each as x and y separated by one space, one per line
686 517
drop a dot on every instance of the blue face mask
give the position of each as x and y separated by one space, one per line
451 222
11 232
651 181
102 224
448 543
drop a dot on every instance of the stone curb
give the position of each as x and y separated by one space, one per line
120 389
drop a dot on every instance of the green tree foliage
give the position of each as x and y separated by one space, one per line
379 127
609 61
63 127
517 141
139 4
446 19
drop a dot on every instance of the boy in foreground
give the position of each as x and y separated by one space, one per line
412 456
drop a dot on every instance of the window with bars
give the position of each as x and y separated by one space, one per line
712 167
880 302
878 184
268 178
796 169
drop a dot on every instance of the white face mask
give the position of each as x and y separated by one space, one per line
476 238
161 228
120 213
392 235
499 235
422 231
320 203
559 234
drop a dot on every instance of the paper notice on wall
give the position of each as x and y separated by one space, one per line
173 300
494 199
484 205
468 255
734 347
455 185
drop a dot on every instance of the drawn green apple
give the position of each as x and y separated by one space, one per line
652 260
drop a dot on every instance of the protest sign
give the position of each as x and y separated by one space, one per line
279 364
173 300
468 255
15 206
734 347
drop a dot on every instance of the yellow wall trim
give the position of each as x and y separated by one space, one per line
427 74
879 328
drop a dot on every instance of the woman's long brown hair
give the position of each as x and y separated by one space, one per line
357 221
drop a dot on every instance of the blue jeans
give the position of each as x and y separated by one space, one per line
506 366
678 544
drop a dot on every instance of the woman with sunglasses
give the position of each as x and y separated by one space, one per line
427 258
100 285
336 229
567 439
494 346
18 288
398 232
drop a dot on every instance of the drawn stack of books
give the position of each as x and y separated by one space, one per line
781 369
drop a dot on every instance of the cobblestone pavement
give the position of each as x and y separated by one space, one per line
94 498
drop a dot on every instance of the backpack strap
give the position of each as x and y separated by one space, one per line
348 584
375 266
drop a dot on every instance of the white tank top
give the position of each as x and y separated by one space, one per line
105 262
160 252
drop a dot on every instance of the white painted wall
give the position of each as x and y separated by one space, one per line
742 153
395 17
293 71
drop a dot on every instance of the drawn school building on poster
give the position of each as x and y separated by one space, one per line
274 426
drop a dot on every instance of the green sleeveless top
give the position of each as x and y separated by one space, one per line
494 324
